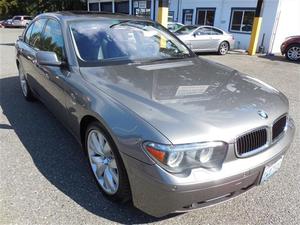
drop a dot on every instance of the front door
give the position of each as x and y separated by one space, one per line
201 40
54 77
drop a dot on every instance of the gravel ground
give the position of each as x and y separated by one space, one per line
45 178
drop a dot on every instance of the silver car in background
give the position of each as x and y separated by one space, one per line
206 39
21 21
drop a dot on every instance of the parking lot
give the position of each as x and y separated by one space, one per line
45 177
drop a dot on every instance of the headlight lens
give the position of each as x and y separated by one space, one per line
179 158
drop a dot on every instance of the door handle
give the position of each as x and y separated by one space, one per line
47 75
73 98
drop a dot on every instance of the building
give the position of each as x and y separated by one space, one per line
146 8
281 18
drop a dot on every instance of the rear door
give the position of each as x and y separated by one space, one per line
217 37
32 43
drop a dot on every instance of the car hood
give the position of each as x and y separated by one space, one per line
191 100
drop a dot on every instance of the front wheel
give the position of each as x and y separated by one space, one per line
106 163
293 52
223 48
24 85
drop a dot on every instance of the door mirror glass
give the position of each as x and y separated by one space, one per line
47 58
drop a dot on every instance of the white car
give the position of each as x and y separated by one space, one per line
21 21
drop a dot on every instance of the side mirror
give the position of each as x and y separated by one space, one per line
20 38
194 34
47 58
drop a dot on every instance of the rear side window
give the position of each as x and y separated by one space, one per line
27 18
216 31
53 39
36 34
27 34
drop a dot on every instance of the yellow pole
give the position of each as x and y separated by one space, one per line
163 12
256 28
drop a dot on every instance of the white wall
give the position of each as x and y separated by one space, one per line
288 23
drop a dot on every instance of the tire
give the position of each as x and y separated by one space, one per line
293 52
223 48
106 164
26 91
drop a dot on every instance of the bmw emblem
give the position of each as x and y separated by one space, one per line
263 114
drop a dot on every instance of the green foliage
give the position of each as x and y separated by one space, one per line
9 8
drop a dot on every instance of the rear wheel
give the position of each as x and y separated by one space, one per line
24 84
293 52
223 48
106 163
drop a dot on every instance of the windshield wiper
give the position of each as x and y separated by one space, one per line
121 22
183 56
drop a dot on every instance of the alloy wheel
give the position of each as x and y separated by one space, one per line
103 162
294 53
223 48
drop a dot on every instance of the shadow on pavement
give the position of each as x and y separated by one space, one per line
58 156
277 58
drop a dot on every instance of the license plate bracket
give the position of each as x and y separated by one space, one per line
270 170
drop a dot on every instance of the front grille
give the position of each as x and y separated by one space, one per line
251 141
278 128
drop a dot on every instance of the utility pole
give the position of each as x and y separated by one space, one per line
163 12
256 28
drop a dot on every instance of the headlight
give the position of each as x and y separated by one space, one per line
179 158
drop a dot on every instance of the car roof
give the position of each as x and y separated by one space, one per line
74 15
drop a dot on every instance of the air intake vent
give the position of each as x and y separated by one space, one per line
278 128
251 141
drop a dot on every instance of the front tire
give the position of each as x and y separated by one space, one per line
223 48
106 163
293 52
27 93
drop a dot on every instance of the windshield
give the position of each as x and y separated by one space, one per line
186 29
121 40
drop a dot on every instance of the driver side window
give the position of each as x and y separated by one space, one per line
53 39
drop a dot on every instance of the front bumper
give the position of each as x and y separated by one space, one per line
159 193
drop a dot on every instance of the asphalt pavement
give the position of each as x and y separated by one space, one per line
45 179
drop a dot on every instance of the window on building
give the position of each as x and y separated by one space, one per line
94 7
106 6
122 6
171 16
242 20
142 8
187 17
206 16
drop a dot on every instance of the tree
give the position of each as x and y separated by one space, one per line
9 8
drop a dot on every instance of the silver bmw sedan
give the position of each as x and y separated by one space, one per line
160 126
206 39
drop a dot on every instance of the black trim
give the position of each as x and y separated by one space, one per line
258 8
240 8
163 3
207 9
